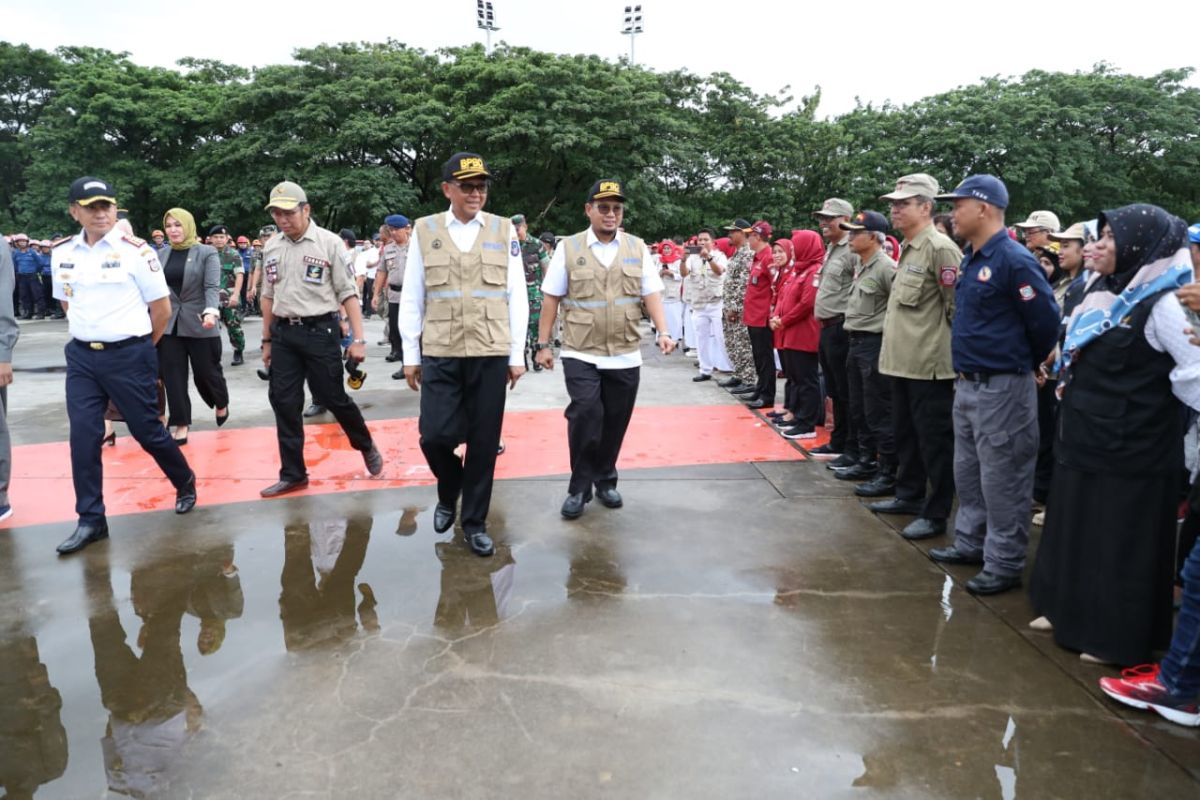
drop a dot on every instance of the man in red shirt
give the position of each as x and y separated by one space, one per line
756 315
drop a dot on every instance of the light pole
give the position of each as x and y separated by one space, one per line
633 26
487 20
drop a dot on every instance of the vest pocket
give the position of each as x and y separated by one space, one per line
494 274
1093 420
908 289
579 326
439 324
633 322
581 283
436 275
631 280
496 319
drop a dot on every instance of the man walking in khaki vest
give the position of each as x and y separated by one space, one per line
601 277
464 303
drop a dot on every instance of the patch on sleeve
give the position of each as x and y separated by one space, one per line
1026 292
948 276
515 248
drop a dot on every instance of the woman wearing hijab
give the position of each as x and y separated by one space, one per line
797 332
193 273
1102 579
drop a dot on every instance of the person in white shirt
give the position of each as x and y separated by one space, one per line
706 271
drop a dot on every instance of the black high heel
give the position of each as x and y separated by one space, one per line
110 440
222 420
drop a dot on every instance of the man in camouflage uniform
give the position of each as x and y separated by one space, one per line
256 265
535 259
737 340
231 290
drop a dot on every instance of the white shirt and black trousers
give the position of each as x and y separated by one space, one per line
110 356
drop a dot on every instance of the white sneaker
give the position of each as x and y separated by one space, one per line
1039 519
1042 624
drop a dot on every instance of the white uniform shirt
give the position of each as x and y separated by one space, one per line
107 287
555 284
366 262
1165 333
411 315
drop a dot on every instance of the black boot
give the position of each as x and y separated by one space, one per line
237 358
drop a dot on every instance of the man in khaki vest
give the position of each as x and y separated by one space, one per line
464 304
601 277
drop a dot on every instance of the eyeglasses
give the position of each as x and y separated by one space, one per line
473 188
605 209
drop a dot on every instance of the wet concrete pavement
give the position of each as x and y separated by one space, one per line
737 630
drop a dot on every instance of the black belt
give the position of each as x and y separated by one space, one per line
394 287
982 377
113 345
829 323
319 318
863 334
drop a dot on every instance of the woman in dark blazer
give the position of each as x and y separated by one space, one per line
193 274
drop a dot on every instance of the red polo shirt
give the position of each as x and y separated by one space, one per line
756 311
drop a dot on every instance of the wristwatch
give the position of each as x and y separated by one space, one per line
359 341
541 346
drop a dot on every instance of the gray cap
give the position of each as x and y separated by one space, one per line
834 207
916 185
287 195
1042 219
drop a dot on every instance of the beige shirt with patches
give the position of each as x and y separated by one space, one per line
866 306
916 330
309 276
837 273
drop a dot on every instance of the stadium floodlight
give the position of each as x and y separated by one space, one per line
633 26
485 16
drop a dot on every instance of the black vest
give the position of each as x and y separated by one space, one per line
1118 414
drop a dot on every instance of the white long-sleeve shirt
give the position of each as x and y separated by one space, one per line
1165 333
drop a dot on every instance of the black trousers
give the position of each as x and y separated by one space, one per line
762 346
834 350
1047 402
394 329
601 406
129 377
871 401
175 353
804 386
32 299
368 292
922 413
462 400
313 353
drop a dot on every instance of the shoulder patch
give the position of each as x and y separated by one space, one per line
516 248
133 240
948 276
1026 292
63 240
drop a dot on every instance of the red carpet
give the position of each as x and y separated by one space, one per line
233 465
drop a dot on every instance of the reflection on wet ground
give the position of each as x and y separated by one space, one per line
721 636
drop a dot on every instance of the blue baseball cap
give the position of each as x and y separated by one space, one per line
1194 234
396 221
987 188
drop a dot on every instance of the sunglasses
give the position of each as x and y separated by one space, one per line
609 208
473 188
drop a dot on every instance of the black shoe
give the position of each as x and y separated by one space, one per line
180 441
760 404
110 440
39 316
858 472
237 359
314 411
987 583
373 460
264 374
897 506
480 543
537 367
952 555
284 487
879 486
443 517
222 420
500 448
922 528
84 535
185 498
398 375
730 383
745 391
609 497
701 377
842 462
572 507
393 357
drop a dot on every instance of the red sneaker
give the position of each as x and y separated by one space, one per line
1139 687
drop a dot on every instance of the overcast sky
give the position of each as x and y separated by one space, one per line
873 50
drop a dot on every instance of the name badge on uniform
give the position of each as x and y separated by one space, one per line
314 269
271 268
914 269
111 270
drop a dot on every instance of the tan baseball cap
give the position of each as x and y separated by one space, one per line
916 185
1076 232
287 195
1042 219
834 207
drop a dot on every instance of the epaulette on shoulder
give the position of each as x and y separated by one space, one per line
133 240
63 240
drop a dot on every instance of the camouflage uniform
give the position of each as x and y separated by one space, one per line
231 267
535 259
737 340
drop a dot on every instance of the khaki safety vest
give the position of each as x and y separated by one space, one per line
602 311
466 294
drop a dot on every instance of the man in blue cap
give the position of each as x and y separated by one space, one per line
1005 324
1194 246
392 260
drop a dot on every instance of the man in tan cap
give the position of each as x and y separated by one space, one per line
916 354
833 292
1037 229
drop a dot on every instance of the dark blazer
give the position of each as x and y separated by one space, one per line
200 291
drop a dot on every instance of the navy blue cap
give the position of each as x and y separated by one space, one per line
396 221
1194 234
987 188
866 221
215 229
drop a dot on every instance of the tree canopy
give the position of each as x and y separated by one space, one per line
365 128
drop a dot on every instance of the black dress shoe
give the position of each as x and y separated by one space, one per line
185 498
744 390
393 357
374 461
701 377
443 517
952 555
609 497
398 375
760 404
237 359
824 450
85 534
842 462
859 472
283 487
879 486
897 506
314 411
921 528
572 507
987 583
480 543
730 383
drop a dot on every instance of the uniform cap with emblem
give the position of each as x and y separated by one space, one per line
286 196
88 190
606 189
1078 233
547 237
215 229
1193 233
517 219
834 207
738 224
464 166
866 221
1042 219
986 188
396 221
916 185
762 228
267 231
